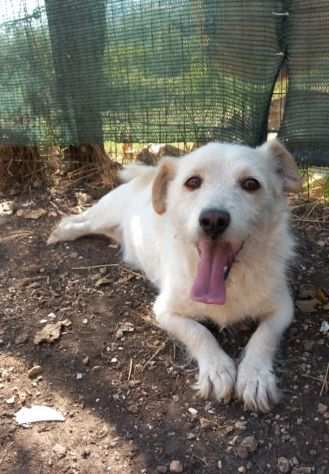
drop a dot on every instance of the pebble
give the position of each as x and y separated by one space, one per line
176 466
308 345
59 450
34 371
302 470
283 464
193 411
204 423
51 316
247 446
242 452
307 306
11 400
21 339
220 464
322 408
240 425
162 469
242 469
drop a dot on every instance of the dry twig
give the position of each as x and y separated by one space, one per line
159 349
325 383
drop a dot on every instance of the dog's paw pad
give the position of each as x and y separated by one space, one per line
257 388
216 379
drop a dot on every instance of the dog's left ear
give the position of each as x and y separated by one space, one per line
165 174
285 165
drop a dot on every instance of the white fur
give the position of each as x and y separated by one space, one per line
164 247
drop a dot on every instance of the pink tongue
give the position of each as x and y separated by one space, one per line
209 284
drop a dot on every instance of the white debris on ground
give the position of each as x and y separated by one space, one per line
37 413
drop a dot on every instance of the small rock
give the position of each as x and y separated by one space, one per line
193 411
59 450
21 339
176 466
240 425
85 360
308 345
220 464
242 452
51 332
324 327
283 464
11 400
249 443
34 371
85 321
31 213
51 316
322 408
205 423
307 306
242 469
302 470
306 292
162 469
86 452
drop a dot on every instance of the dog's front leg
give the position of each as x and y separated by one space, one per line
217 372
256 383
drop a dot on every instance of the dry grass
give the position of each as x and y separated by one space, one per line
91 163
21 166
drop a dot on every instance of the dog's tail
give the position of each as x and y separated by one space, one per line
143 172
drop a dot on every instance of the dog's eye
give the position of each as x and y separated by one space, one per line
193 183
250 184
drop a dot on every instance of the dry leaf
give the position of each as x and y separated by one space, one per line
51 332
31 213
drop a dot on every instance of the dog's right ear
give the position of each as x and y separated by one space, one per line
166 172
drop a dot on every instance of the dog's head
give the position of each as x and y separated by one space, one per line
217 197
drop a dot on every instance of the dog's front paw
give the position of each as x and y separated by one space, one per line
216 376
256 386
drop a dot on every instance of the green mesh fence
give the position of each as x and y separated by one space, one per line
165 71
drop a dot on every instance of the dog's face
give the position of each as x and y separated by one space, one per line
217 197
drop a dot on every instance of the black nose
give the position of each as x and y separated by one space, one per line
214 222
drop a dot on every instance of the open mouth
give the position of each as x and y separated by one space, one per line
215 263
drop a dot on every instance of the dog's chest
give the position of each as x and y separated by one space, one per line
248 294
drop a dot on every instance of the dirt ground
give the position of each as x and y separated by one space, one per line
123 387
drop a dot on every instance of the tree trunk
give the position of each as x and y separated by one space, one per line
77 31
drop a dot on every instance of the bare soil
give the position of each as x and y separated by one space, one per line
122 385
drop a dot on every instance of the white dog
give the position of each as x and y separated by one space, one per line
210 230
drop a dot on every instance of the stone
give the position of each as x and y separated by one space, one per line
34 371
302 470
176 466
283 465
59 450
322 408
162 469
242 452
250 443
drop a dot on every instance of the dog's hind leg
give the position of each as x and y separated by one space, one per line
103 218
